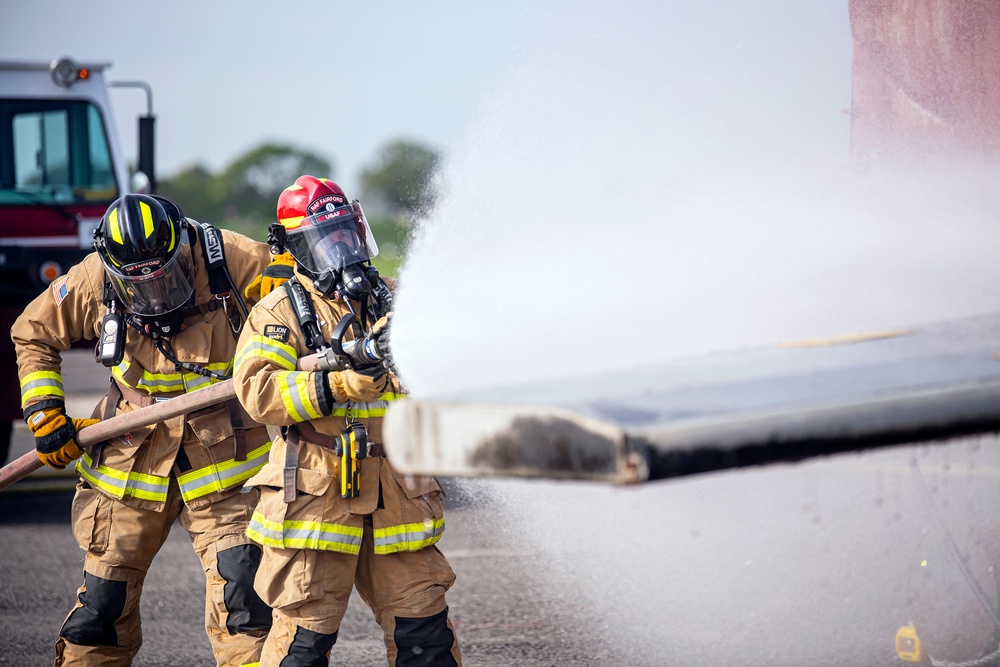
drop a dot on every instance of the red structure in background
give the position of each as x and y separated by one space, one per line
926 81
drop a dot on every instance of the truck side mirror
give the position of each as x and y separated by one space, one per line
140 183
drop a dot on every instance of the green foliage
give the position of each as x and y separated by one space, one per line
251 184
393 238
196 192
400 180
244 195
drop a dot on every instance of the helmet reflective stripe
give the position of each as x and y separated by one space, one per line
148 225
408 536
317 535
116 227
294 221
221 476
147 218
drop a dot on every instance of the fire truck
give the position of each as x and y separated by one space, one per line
61 166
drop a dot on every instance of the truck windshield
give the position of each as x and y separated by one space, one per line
54 152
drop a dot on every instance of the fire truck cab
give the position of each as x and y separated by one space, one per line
61 166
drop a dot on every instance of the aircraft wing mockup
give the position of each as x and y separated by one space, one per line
785 403
923 89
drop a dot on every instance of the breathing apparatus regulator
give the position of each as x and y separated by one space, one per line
145 244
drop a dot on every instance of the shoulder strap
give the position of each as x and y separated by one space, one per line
304 313
219 280
213 250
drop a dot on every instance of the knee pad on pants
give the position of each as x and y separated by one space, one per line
247 612
309 649
424 641
93 624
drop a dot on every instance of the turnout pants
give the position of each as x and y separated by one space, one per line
309 590
104 627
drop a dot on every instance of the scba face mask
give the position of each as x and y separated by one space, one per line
153 288
334 245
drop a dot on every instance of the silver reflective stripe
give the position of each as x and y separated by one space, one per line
121 484
262 346
219 477
304 535
41 383
408 537
365 410
295 394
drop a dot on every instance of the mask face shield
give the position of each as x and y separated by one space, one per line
151 287
331 239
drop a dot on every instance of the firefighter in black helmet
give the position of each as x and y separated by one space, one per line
150 295
144 246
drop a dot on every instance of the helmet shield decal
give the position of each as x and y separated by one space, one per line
151 287
331 238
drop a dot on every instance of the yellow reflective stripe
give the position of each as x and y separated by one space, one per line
116 228
360 412
270 349
147 218
173 237
120 484
304 535
408 536
294 389
292 222
367 410
167 383
295 220
221 476
41 383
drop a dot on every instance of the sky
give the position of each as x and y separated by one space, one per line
340 79
667 181
711 137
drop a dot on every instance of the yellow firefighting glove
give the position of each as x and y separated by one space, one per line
381 328
55 433
347 386
280 269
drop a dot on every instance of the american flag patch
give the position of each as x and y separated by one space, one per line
59 290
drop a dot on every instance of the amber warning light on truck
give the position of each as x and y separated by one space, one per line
65 72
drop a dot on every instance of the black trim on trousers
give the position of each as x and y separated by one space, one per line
93 624
308 649
247 612
424 642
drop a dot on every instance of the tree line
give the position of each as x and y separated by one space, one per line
395 188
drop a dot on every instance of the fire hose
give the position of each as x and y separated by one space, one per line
215 394
340 356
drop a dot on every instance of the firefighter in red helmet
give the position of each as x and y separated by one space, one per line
333 513
148 295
